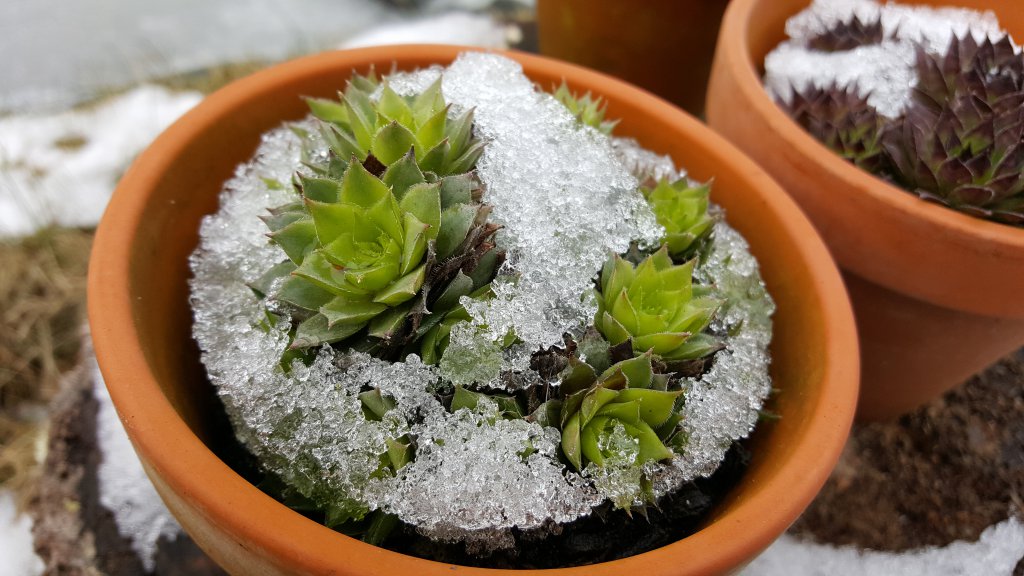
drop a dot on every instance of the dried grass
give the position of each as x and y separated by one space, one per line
42 310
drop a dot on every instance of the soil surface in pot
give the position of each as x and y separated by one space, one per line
942 473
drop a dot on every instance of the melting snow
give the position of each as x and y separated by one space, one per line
885 71
996 553
566 199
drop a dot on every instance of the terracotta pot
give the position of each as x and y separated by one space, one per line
937 294
664 46
141 324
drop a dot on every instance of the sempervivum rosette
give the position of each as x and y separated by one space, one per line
478 316
931 99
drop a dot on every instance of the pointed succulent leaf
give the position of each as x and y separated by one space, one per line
402 289
262 286
655 406
571 441
361 188
341 310
457 189
388 323
283 216
375 404
392 142
316 331
303 294
460 286
399 453
456 222
296 239
431 132
328 110
319 189
394 107
402 174
424 202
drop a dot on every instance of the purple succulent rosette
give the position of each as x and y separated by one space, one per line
931 99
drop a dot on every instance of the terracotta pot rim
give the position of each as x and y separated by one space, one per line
228 501
735 32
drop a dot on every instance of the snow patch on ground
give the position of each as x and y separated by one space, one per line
17 556
996 553
62 168
460 28
124 488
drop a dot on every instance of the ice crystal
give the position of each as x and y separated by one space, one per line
566 197
882 72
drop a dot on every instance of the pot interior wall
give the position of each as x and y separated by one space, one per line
193 178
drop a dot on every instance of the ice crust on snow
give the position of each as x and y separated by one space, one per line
566 196
884 72
996 553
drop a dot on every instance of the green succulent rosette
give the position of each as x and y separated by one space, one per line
389 233
627 399
362 249
587 109
656 307
388 126
682 209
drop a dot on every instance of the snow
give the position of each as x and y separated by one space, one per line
883 72
459 28
17 556
62 168
996 553
124 488
61 53
566 199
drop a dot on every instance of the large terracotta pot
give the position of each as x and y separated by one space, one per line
141 323
664 46
937 294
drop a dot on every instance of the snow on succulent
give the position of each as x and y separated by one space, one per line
955 138
476 314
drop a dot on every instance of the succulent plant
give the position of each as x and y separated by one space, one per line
682 209
587 109
354 518
843 120
656 307
386 128
380 253
961 143
845 36
628 400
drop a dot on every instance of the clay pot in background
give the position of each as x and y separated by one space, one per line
937 294
664 46
141 326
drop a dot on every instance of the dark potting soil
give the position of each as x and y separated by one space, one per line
945 472
603 536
